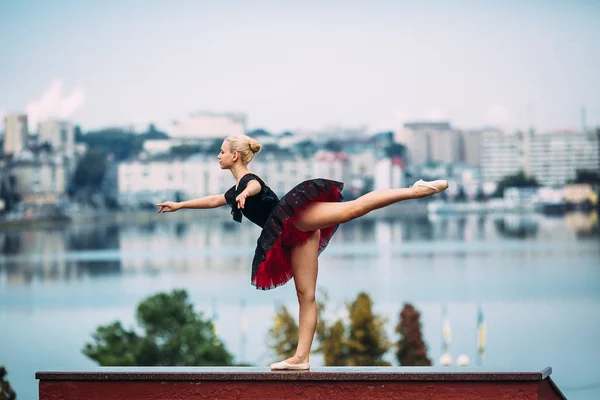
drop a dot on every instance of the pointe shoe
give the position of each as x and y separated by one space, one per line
284 365
438 186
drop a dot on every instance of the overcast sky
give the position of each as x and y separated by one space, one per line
303 64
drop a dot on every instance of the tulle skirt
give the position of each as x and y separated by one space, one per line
271 266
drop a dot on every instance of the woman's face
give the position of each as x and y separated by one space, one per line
226 156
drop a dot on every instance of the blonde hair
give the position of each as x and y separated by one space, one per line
245 145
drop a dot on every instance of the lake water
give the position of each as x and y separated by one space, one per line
535 279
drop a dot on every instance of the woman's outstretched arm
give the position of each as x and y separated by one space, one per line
215 201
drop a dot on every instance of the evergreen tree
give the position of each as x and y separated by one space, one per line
334 345
411 350
367 342
283 336
363 342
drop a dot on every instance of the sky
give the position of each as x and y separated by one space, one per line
291 65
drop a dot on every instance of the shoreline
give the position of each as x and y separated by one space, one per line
415 210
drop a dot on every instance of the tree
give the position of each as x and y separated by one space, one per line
587 176
411 349
363 342
480 195
121 143
334 345
185 150
331 340
153 133
78 133
6 391
517 180
175 335
461 195
284 334
8 191
395 149
90 170
367 342
257 133
306 148
333 145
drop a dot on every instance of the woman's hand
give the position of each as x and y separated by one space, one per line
168 206
241 199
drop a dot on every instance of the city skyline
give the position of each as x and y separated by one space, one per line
303 65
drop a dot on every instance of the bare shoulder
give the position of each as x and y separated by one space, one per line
259 179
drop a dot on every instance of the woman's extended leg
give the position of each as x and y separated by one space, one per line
320 215
304 260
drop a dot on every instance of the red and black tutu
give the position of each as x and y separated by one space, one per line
271 266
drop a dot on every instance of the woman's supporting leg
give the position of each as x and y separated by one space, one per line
319 215
304 260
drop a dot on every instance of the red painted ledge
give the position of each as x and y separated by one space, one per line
158 383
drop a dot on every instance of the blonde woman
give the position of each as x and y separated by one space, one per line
295 228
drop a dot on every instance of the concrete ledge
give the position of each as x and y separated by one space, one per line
324 383
315 374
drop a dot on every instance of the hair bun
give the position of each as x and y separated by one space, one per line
254 146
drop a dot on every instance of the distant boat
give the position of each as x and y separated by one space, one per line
550 202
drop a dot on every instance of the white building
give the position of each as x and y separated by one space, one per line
200 175
362 164
552 158
501 155
16 133
206 125
389 173
39 176
157 146
60 134
159 180
165 177
282 171
332 165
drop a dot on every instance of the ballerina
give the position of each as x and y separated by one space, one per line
295 228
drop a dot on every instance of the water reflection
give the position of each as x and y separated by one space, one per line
515 226
79 251
93 236
518 269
